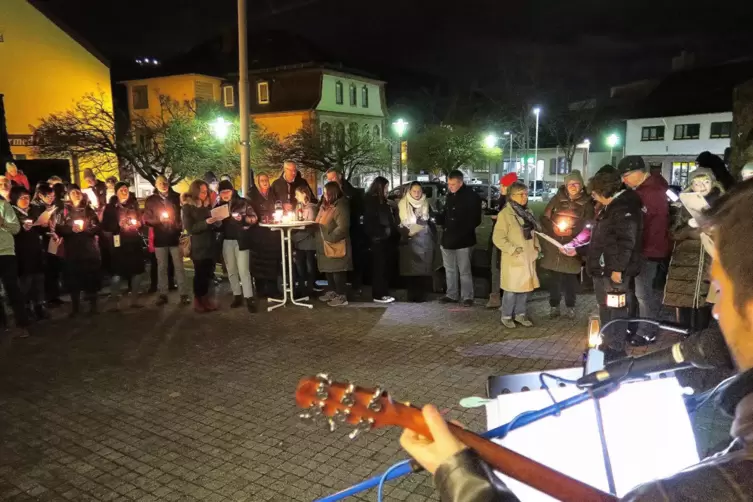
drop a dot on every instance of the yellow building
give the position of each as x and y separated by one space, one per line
44 68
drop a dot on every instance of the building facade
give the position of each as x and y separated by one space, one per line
46 68
670 145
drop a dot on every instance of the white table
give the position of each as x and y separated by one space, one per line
288 282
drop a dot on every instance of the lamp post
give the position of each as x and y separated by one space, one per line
243 110
490 142
612 141
537 112
510 166
399 126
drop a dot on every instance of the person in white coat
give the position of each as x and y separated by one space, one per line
519 246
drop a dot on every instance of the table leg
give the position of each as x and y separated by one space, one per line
284 300
293 299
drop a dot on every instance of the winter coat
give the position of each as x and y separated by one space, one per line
417 251
263 205
19 179
653 194
285 192
79 247
9 226
203 239
460 217
688 279
29 245
305 239
336 229
517 272
378 219
126 242
355 203
576 214
167 232
264 253
233 230
616 237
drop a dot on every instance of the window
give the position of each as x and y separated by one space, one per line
366 132
680 172
228 96
339 93
652 133
339 134
558 166
204 91
353 95
353 133
377 132
365 96
140 96
262 92
326 134
721 130
687 131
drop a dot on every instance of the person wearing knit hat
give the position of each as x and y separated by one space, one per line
495 295
717 165
505 182
566 216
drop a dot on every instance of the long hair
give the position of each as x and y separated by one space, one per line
195 189
306 192
333 193
377 188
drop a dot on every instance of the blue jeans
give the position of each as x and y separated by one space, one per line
513 304
649 299
458 262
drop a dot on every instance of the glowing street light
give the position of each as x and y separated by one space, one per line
220 128
400 126
490 141
612 141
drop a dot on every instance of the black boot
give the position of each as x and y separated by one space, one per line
251 305
237 302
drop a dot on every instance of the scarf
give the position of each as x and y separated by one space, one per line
529 220
410 209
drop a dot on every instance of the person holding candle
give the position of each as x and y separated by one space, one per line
566 215
417 246
381 228
122 222
162 215
264 253
201 225
78 226
333 251
236 243
44 200
29 252
305 242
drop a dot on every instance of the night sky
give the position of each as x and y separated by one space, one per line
579 44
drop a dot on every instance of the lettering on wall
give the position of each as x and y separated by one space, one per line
21 139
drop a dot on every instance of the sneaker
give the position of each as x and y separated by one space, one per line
468 303
447 299
328 296
162 300
384 299
338 301
554 312
523 321
317 289
507 322
494 302
570 313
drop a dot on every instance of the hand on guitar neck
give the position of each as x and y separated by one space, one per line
427 452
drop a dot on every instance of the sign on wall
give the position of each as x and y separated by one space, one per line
21 139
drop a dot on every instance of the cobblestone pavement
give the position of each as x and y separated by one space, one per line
170 405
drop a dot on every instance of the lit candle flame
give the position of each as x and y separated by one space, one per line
79 223
165 215
133 221
562 225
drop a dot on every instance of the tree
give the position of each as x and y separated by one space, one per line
180 141
437 150
356 152
570 126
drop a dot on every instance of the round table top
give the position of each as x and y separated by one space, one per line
290 224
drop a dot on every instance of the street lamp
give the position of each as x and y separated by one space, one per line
511 166
612 141
400 127
490 141
220 127
537 112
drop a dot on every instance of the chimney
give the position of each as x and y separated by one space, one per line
684 61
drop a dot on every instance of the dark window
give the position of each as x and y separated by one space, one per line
353 95
687 131
365 96
140 94
353 133
326 134
204 90
721 130
339 134
652 133
339 93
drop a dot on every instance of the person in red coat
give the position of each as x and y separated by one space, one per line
656 247
15 176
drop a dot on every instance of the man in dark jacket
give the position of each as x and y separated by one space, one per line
460 476
162 214
652 189
460 217
283 188
614 255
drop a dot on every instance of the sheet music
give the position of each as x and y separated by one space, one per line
553 241
695 203
44 218
221 212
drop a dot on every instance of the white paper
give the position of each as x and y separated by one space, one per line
91 196
554 242
53 246
414 228
708 244
221 212
695 203
116 241
44 218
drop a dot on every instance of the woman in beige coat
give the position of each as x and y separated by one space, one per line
519 246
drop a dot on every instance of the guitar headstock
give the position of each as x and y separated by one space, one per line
345 403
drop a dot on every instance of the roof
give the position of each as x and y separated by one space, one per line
168 76
331 68
37 4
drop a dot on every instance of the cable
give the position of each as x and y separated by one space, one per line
384 477
707 395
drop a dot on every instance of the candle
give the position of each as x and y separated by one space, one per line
28 222
278 216
562 225
288 217
165 215
134 221
79 224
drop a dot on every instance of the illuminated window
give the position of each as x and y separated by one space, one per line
339 93
652 133
721 130
365 96
353 95
140 96
680 171
262 92
687 131
228 95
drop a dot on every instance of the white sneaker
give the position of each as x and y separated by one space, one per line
328 296
384 299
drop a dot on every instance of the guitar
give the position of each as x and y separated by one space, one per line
344 403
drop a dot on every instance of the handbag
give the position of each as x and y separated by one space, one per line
185 245
333 249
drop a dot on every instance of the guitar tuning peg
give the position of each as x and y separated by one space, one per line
341 416
324 377
363 425
374 404
332 425
349 396
313 413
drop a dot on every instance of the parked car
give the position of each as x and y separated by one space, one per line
435 192
483 192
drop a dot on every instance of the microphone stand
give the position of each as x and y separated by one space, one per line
596 392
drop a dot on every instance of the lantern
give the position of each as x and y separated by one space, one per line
616 299
278 216
563 227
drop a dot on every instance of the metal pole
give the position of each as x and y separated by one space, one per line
400 157
536 154
512 158
243 92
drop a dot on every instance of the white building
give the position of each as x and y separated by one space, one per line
671 144
551 165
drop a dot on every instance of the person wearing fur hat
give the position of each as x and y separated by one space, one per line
688 279
78 226
495 297
566 215
236 243
122 221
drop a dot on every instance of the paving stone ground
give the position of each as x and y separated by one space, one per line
170 405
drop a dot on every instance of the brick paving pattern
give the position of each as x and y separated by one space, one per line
170 405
